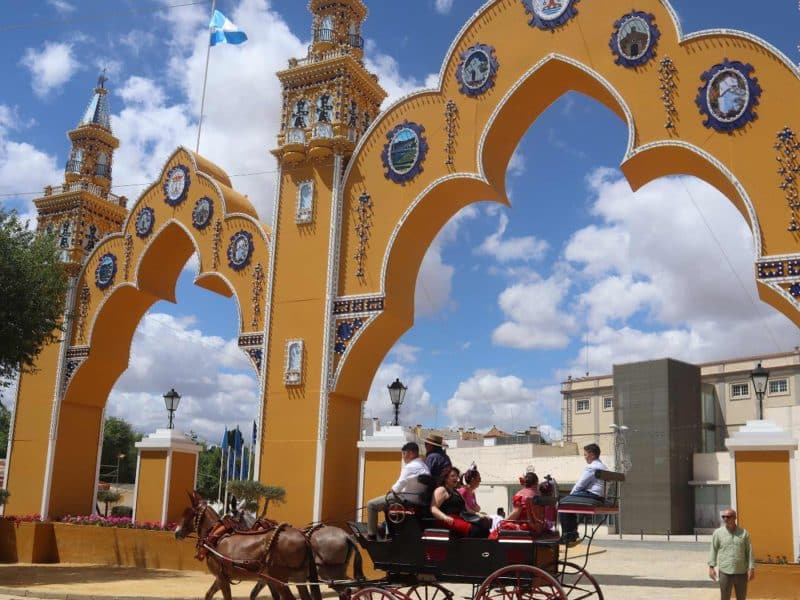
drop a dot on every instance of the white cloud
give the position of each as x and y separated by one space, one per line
405 353
487 399
444 6
524 248
62 6
215 378
535 319
518 164
50 67
388 71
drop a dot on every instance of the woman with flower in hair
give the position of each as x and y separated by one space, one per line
470 480
525 515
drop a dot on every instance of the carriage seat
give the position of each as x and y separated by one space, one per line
588 506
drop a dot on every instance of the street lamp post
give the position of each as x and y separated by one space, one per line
620 466
760 377
171 401
120 456
397 393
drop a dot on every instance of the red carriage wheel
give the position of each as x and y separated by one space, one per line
376 593
428 591
520 582
577 583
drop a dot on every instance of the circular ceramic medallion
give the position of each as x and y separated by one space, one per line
729 96
202 213
634 39
549 14
405 152
144 222
176 185
477 70
794 290
105 271
240 250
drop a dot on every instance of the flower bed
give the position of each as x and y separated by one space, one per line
121 522
37 518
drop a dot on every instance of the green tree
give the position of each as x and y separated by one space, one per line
5 424
254 492
119 438
34 284
108 497
208 472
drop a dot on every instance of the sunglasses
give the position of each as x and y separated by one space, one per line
727 516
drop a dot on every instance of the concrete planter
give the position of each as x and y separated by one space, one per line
124 547
27 542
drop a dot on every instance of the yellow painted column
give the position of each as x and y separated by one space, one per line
166 471
764 488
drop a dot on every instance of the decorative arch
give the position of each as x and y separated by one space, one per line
662 96
127 273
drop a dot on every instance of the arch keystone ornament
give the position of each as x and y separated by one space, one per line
320 305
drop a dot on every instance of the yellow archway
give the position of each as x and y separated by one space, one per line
359 202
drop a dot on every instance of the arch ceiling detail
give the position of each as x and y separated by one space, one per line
712 104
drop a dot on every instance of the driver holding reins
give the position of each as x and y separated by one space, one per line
407 487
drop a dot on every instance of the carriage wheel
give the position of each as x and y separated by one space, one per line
520 582
396 513
375 593
577 582
428 591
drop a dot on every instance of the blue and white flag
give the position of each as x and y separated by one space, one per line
225 32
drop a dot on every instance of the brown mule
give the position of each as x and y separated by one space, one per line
277 556
332 549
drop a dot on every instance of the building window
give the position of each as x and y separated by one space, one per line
608 403
582 406
740 390
778 387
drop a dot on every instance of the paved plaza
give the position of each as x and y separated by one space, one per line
626 570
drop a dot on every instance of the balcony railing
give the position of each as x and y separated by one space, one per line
74 166
296 136
323 35
78 186
356 41
102 170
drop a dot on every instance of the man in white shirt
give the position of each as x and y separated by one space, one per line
588 490
407 487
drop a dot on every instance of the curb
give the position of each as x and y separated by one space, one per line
26 593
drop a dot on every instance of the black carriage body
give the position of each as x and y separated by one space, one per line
416 553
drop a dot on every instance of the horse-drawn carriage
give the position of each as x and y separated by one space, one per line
419 558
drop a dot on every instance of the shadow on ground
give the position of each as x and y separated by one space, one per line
27 576
632 580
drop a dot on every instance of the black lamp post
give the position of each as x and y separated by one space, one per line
171 401
760 377
397 393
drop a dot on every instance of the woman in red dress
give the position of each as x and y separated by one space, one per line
525 515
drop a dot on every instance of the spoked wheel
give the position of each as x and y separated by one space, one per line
520 582
428 591
578 584
376 593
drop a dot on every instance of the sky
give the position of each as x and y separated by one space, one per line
577 275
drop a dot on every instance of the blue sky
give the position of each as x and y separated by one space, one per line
577 275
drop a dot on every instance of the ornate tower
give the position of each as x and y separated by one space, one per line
329 98
82 210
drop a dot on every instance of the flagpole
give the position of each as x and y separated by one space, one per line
221 462
205 80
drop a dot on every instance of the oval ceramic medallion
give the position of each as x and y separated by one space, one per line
144 222
729 96
405 152
549 14
202 213
105 271
477 70
634 39
176 185
240 250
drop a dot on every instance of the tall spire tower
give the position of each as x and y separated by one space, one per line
82 210
329 97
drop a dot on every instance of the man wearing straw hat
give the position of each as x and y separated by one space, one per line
435 457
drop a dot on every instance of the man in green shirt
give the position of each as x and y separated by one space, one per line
730 559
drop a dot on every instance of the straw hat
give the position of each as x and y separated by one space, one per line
435 440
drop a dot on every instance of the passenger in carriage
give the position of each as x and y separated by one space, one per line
408 487
470 480
525 515
436 458
587 490
449 509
